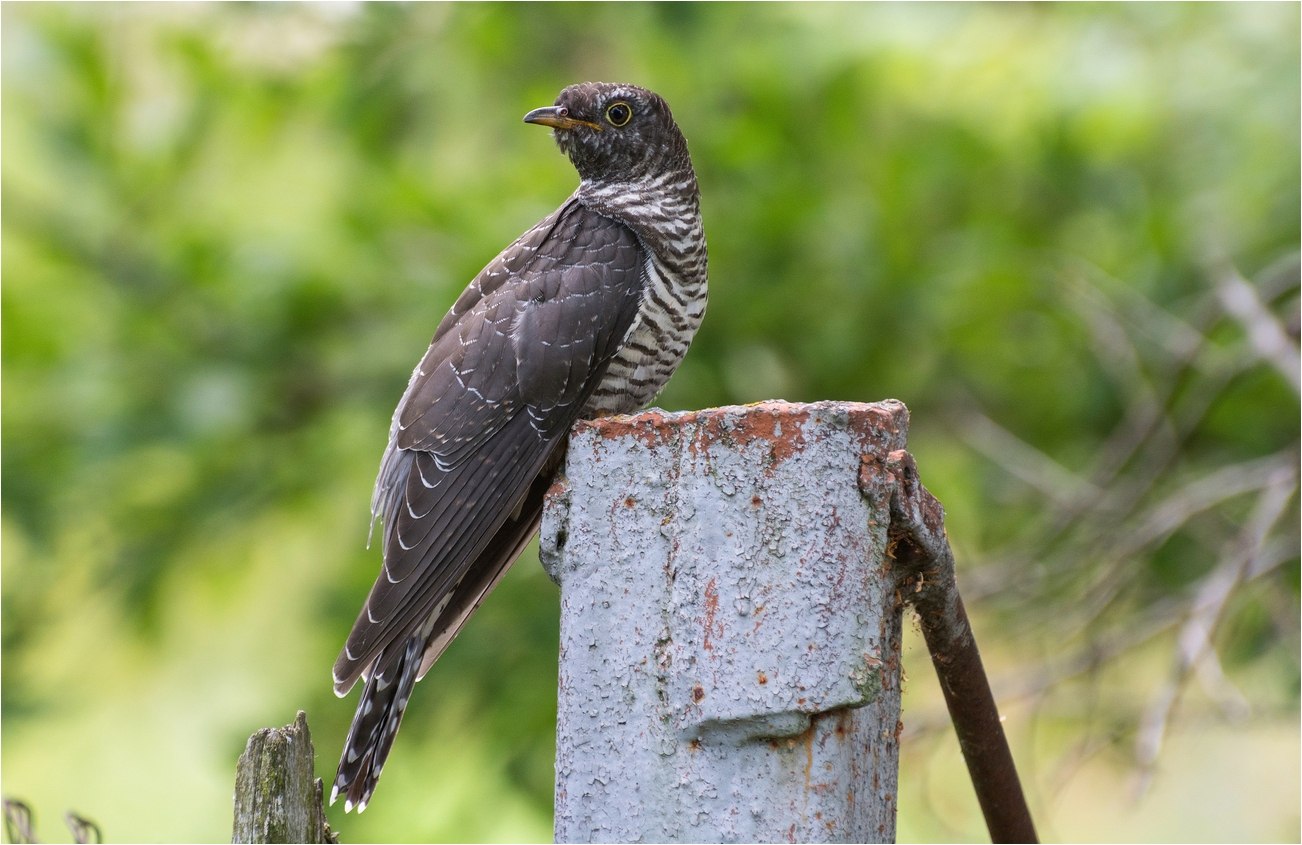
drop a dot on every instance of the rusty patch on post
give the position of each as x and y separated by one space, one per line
559 488
650 428
711 609
778 424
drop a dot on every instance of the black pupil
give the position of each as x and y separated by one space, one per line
618 113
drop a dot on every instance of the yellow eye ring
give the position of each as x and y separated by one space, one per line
618 114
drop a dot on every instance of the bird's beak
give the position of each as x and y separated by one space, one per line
557 117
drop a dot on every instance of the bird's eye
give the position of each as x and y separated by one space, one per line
618 114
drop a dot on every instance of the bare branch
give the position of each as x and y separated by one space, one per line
83 830
1205 614
1265 333
18 821
1157 620
1206 492
1023 460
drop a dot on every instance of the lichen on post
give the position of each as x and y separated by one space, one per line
277 795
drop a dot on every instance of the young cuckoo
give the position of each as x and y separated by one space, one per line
587 313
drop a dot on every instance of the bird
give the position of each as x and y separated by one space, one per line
587 314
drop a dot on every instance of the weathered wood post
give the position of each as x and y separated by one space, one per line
277 794
729 626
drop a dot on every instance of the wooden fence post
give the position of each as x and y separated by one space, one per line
729 625
277 794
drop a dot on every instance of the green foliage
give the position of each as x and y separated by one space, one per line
229 231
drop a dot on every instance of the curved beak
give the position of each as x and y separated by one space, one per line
557 117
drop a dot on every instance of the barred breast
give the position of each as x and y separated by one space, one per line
664 214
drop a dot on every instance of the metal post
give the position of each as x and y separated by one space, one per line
729 626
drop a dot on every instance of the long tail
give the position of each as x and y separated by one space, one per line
379 713
387 690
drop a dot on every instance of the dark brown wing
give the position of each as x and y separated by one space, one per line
503 381
471 450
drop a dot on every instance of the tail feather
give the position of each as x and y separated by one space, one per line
391 677
379 713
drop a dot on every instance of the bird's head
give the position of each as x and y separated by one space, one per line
614 132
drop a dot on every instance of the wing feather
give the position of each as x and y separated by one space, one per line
397 607
505 377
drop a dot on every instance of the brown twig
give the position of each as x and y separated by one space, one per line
925 564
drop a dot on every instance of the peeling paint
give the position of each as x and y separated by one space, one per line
680 726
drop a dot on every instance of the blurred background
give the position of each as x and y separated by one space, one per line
1065 235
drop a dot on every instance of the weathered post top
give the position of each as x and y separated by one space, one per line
729 631
277 796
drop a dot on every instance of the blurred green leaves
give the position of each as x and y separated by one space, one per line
229 231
